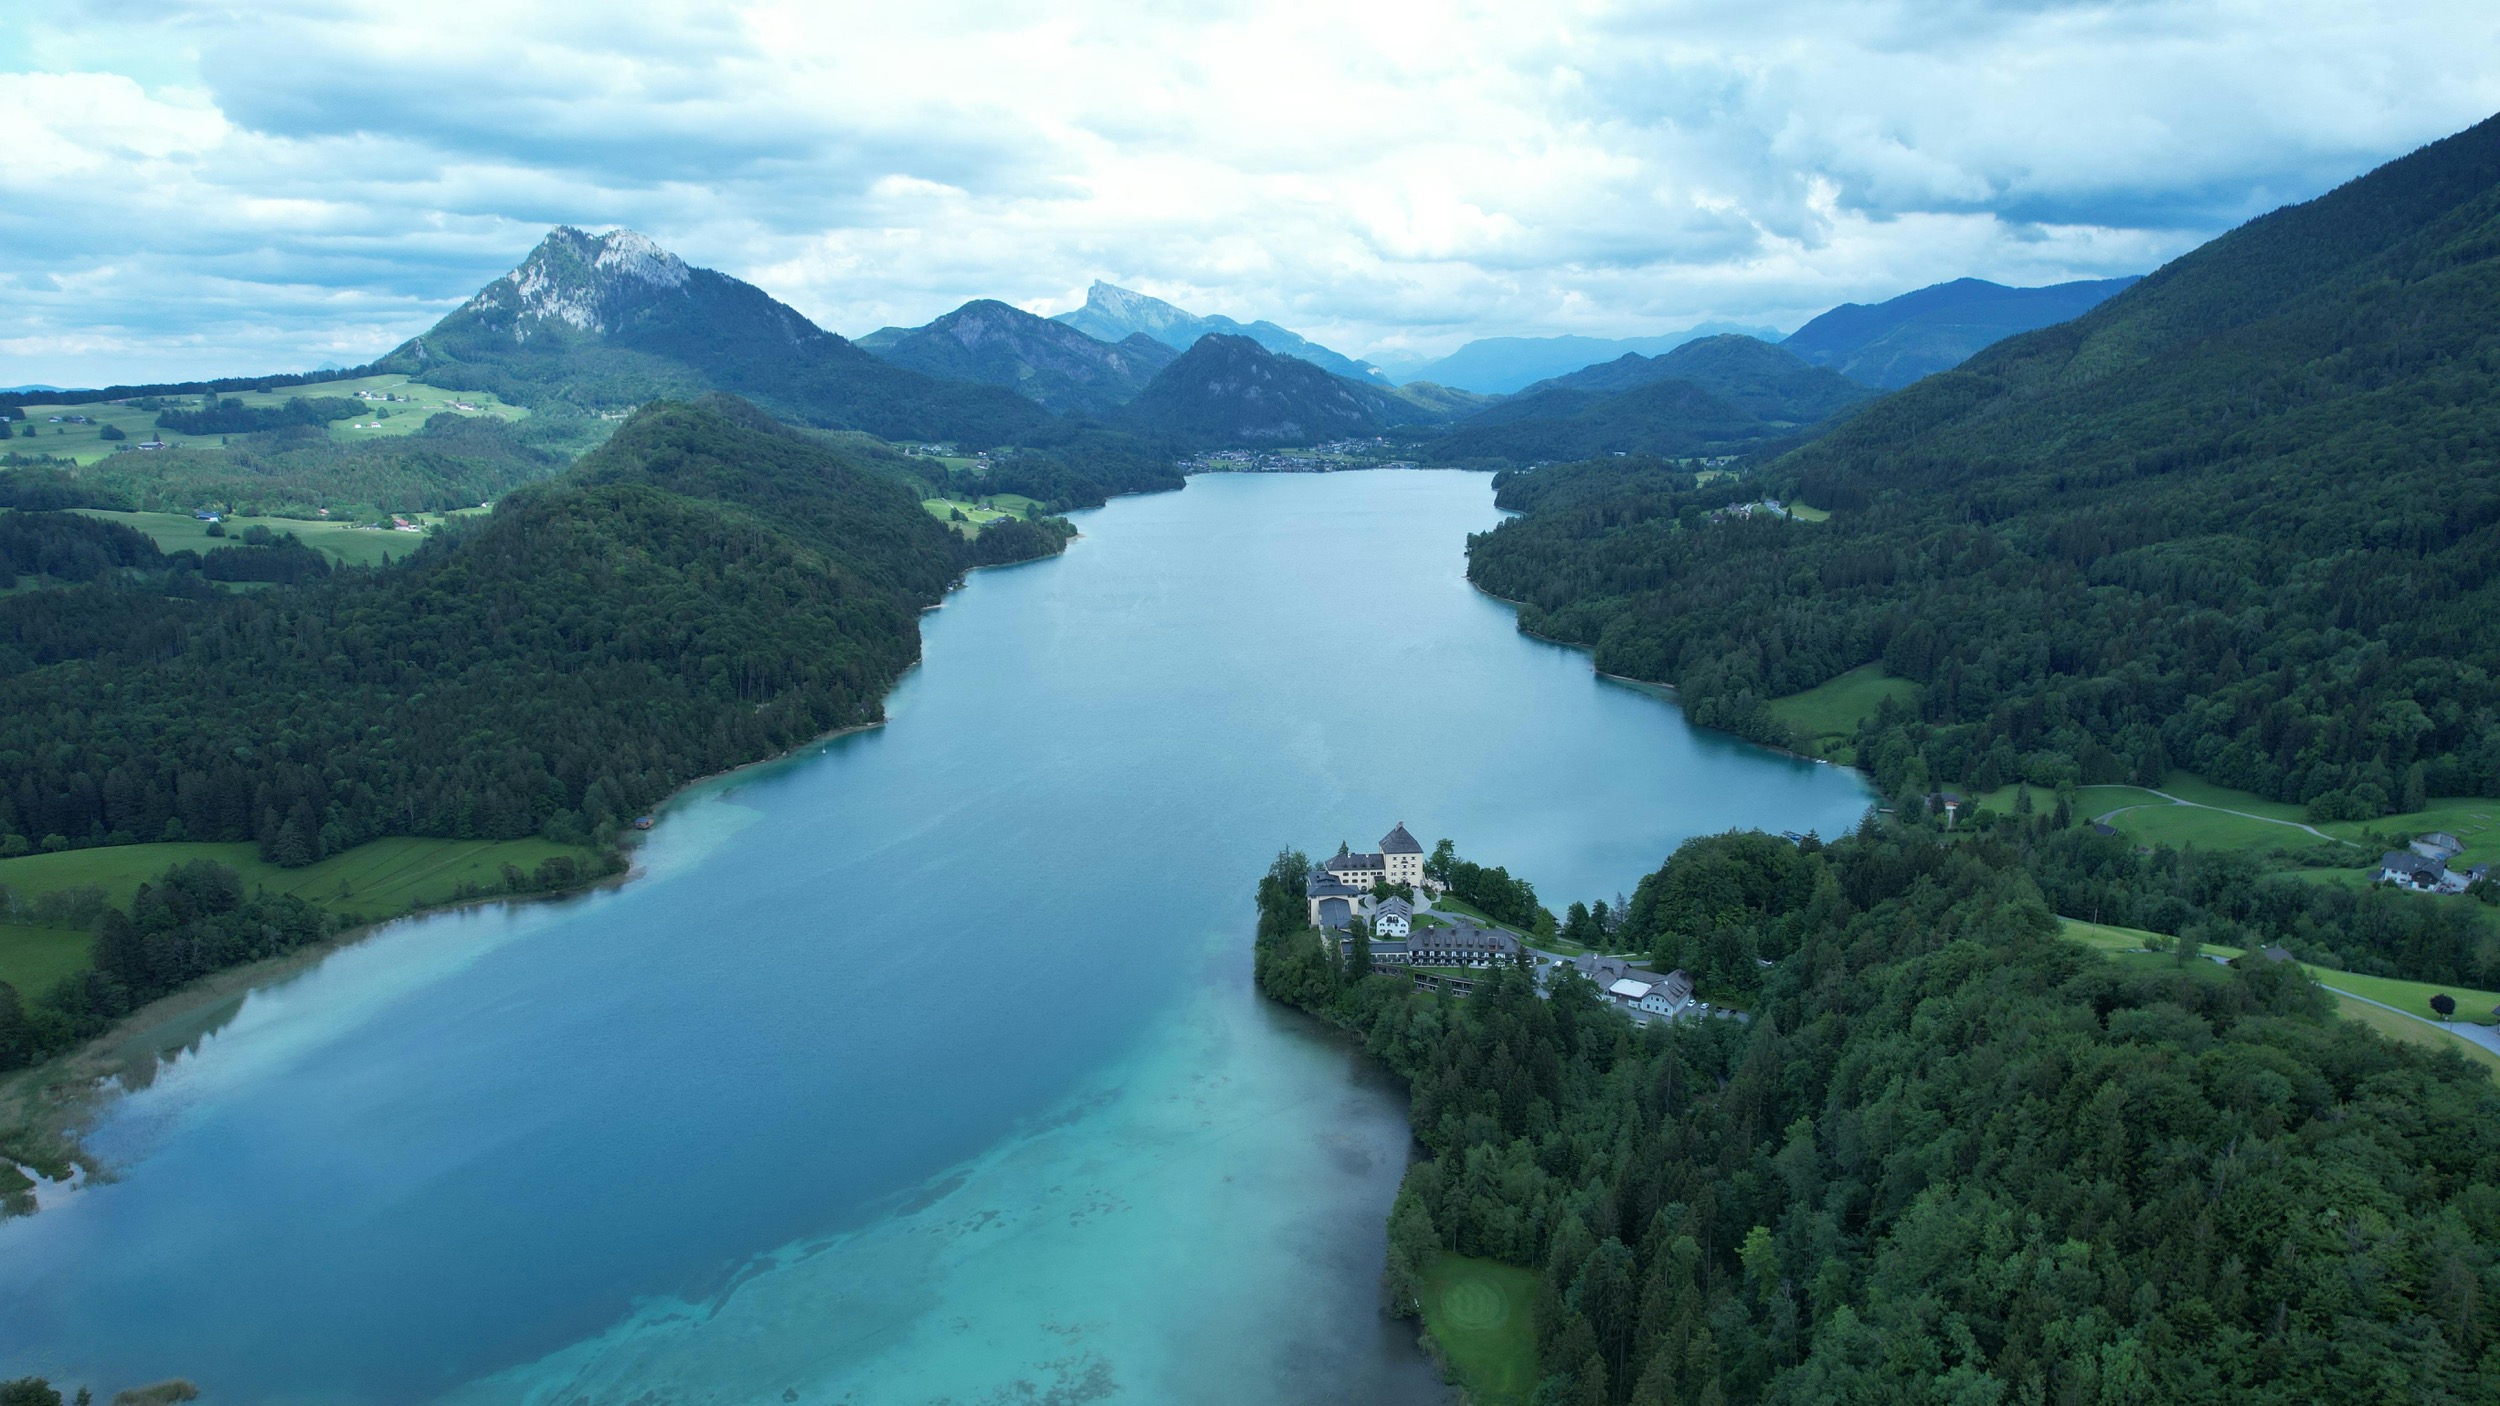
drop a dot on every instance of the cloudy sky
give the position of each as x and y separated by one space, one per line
206 188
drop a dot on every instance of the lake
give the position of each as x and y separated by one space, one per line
924 1066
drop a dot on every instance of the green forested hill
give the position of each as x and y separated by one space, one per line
2242 518
1228 390
706 589
1951 1156
1892 343
1716 395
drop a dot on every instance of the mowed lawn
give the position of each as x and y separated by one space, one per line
31 959
2180 826
1482 1312
376 880
1828 713
344 543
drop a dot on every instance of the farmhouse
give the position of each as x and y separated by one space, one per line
2430 873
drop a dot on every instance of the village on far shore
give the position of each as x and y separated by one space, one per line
1386 900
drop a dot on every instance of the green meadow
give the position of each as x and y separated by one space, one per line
32 958
2187 810
1827 714
46 429
1483 1314
380 878
980 512
348 544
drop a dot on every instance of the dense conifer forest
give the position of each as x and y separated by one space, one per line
706 589
2242 519
1950 1155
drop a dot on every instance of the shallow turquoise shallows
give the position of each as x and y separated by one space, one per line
925 1066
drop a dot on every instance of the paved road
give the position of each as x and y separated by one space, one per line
2484 1035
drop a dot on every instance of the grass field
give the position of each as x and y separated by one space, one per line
1828 713
1446 904
2414 1032
31 959
2108 937
2187 811
379 879
1483 1314
2122 944
981 511
2179 826
2473 1006
41 434
2473 819
344 543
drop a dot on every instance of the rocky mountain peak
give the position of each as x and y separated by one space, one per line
578 278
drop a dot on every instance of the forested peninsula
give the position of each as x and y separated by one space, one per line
1952 1156
2239 523
706 589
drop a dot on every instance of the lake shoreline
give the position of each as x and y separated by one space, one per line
655 1137
46 1108
1665 692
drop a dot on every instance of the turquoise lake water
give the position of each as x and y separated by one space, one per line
923 1067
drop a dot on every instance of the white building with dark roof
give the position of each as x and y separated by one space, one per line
1393 917
1401 858
1340 884
1634 989
2413 869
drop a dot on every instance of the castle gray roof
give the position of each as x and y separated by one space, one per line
1354 861
1397 841
1394 907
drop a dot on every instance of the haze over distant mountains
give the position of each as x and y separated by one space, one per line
1501 365
1050 362
598 322
1718 395
1114 314
1888 345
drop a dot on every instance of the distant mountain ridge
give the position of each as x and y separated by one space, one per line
1114 314
1502 365
612 320
1721 394
1050 362
1888 345
1230 391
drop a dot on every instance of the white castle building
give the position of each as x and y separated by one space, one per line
1338 886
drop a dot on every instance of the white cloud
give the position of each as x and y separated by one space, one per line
195 188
